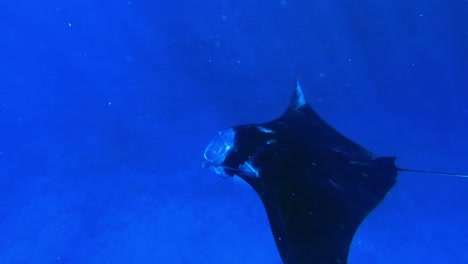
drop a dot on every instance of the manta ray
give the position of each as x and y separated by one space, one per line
316 185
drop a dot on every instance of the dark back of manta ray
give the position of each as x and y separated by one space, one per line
317 186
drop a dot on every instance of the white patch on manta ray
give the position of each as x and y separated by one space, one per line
265 130
249 169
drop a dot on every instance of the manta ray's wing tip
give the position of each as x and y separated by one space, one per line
298 99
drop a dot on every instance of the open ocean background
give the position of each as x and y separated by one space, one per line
106 108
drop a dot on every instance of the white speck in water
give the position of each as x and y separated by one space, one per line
109 103
69 24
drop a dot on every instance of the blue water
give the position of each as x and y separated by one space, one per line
106 108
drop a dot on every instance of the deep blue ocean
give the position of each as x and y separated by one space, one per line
106 108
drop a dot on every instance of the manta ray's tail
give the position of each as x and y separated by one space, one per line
435 172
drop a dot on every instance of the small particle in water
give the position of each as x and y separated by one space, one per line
322 75
421 15
109 103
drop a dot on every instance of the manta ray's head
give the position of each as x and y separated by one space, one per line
237 150
229 154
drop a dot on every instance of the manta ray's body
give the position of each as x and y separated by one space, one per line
317 186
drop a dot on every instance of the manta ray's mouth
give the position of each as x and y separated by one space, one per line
218 149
